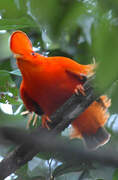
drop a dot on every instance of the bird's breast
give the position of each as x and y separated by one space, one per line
51 89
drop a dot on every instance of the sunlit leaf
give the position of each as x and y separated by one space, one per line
38 167
16 72
8 90
4 46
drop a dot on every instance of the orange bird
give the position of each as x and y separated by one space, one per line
49 81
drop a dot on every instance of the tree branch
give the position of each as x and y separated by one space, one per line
72 108
60 120
45 141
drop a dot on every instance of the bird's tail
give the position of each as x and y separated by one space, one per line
96 140
89 125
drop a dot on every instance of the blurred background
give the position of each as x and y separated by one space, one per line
80 29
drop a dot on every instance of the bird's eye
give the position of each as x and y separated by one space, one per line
33 53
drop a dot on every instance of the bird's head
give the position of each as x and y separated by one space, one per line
21 47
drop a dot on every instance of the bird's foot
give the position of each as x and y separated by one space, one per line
45 120
35 119
32 117
79 89
24 113
29 119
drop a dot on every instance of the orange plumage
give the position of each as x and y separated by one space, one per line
49 81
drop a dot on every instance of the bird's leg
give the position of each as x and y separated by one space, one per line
80 89
45 120
24 113
30 119
31 114
35 119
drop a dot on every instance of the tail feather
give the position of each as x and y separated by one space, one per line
96 140
90 124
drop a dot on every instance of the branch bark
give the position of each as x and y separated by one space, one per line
45 141
73 107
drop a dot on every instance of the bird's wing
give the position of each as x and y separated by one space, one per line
30 104
76 74
80 72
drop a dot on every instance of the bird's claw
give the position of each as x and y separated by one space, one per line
80 89
45 120
30 114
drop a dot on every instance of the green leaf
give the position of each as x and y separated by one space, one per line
13 9
12 120
22 173
67 168
70 176
101 172
44 155
8 90
5 64
16 72
113 94
10 24
115 175
37 167
4 46
105 49
45 17
75 10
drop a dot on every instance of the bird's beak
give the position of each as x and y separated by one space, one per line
17 56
